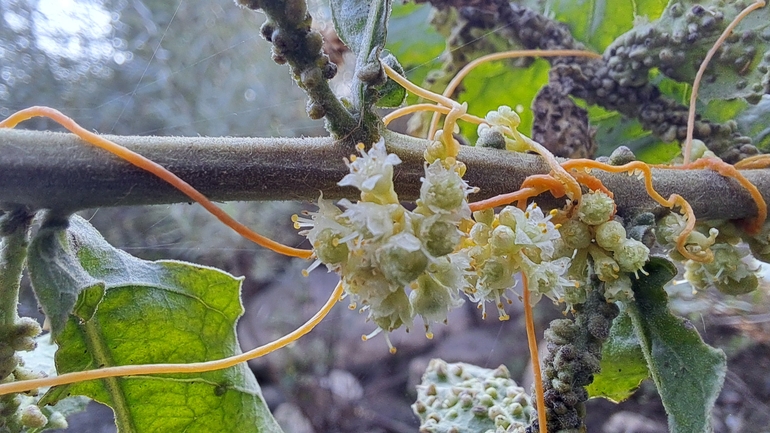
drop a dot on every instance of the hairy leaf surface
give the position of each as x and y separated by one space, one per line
688 373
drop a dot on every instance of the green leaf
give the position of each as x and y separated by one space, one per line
158 312
688 373
623 365
494 84
361 24
391 94
57 277
418 55
598 22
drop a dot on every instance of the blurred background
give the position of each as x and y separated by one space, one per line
191 67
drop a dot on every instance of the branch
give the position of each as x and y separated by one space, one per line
40 170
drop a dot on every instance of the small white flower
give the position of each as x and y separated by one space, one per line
372 172
504 116
369 220
547 278
444 191
533 228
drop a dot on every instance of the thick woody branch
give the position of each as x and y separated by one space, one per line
46 170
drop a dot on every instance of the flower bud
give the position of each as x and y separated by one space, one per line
503 240
575 234
632 255
328 249
32 417
596 208
440 237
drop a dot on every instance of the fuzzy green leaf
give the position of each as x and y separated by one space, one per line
158 312
623 364
688 373
391 94
56 275
361 24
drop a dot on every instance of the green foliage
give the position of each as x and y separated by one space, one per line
57 276
494 84
688 373
417 55
623 364
143 312
598 22
363 26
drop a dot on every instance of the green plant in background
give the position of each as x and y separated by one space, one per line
155 340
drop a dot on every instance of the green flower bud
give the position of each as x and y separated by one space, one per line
442 189
632 255
596 208
610 235
401 264
440 237
575 234
32 417
328 249
509 216
503 240
606 268
432 300
496 274
486 216
393 312
480 233
669 228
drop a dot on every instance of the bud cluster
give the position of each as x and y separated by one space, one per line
613 255
464 397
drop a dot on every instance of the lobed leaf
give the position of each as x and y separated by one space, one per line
158 312
688 373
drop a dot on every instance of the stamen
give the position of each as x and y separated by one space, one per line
372 335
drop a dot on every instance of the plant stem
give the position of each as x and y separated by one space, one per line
43 170
14 227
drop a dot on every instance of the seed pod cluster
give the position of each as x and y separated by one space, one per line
463 397
574 356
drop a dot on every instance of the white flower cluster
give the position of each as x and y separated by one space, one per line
731 269
515 241
394 263
397 263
